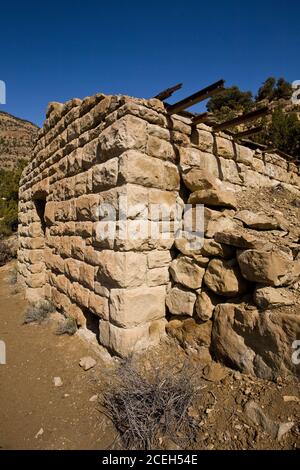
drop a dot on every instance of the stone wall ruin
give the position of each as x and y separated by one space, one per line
101 149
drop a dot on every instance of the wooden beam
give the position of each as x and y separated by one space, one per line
254 130
196 97
200 118
242 119
163 95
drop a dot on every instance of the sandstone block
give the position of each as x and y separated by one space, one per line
124 342
105 175
99 305
133 307
118 269
129 132
148 171
181 301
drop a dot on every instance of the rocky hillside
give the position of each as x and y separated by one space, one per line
17 137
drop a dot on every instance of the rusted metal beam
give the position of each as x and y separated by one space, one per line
254 130
196 97
200 118
242 119
163 95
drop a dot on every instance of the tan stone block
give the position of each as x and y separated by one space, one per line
88 207
35 230
75 161
158 276
230 171
35 256
244 154
224 147
158 259
99 306
258 165
127 133
192 157
72 269
50 213
159 148
121 269
105 175
84 229
78 248
36 280
181 301
138 168
92 256
163 205
205 140
89 154
124 342
80 295
36 243
132 307
34 295
87 275
101 290
65 247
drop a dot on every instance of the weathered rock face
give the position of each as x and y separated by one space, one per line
93 241
253 343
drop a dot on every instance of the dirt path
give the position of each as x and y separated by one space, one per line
29 401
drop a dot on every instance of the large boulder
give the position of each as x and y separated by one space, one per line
187 272
265 267
253 343
223 277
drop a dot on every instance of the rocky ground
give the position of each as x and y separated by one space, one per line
49 402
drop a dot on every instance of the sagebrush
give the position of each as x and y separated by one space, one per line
147 409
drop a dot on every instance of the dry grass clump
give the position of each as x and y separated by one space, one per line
39 312
67 327
146 410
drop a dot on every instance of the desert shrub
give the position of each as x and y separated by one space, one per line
146 409
67 327
5 253
39 312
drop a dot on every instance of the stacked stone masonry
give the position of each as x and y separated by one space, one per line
98 151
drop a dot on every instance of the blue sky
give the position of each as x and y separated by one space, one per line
54 51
